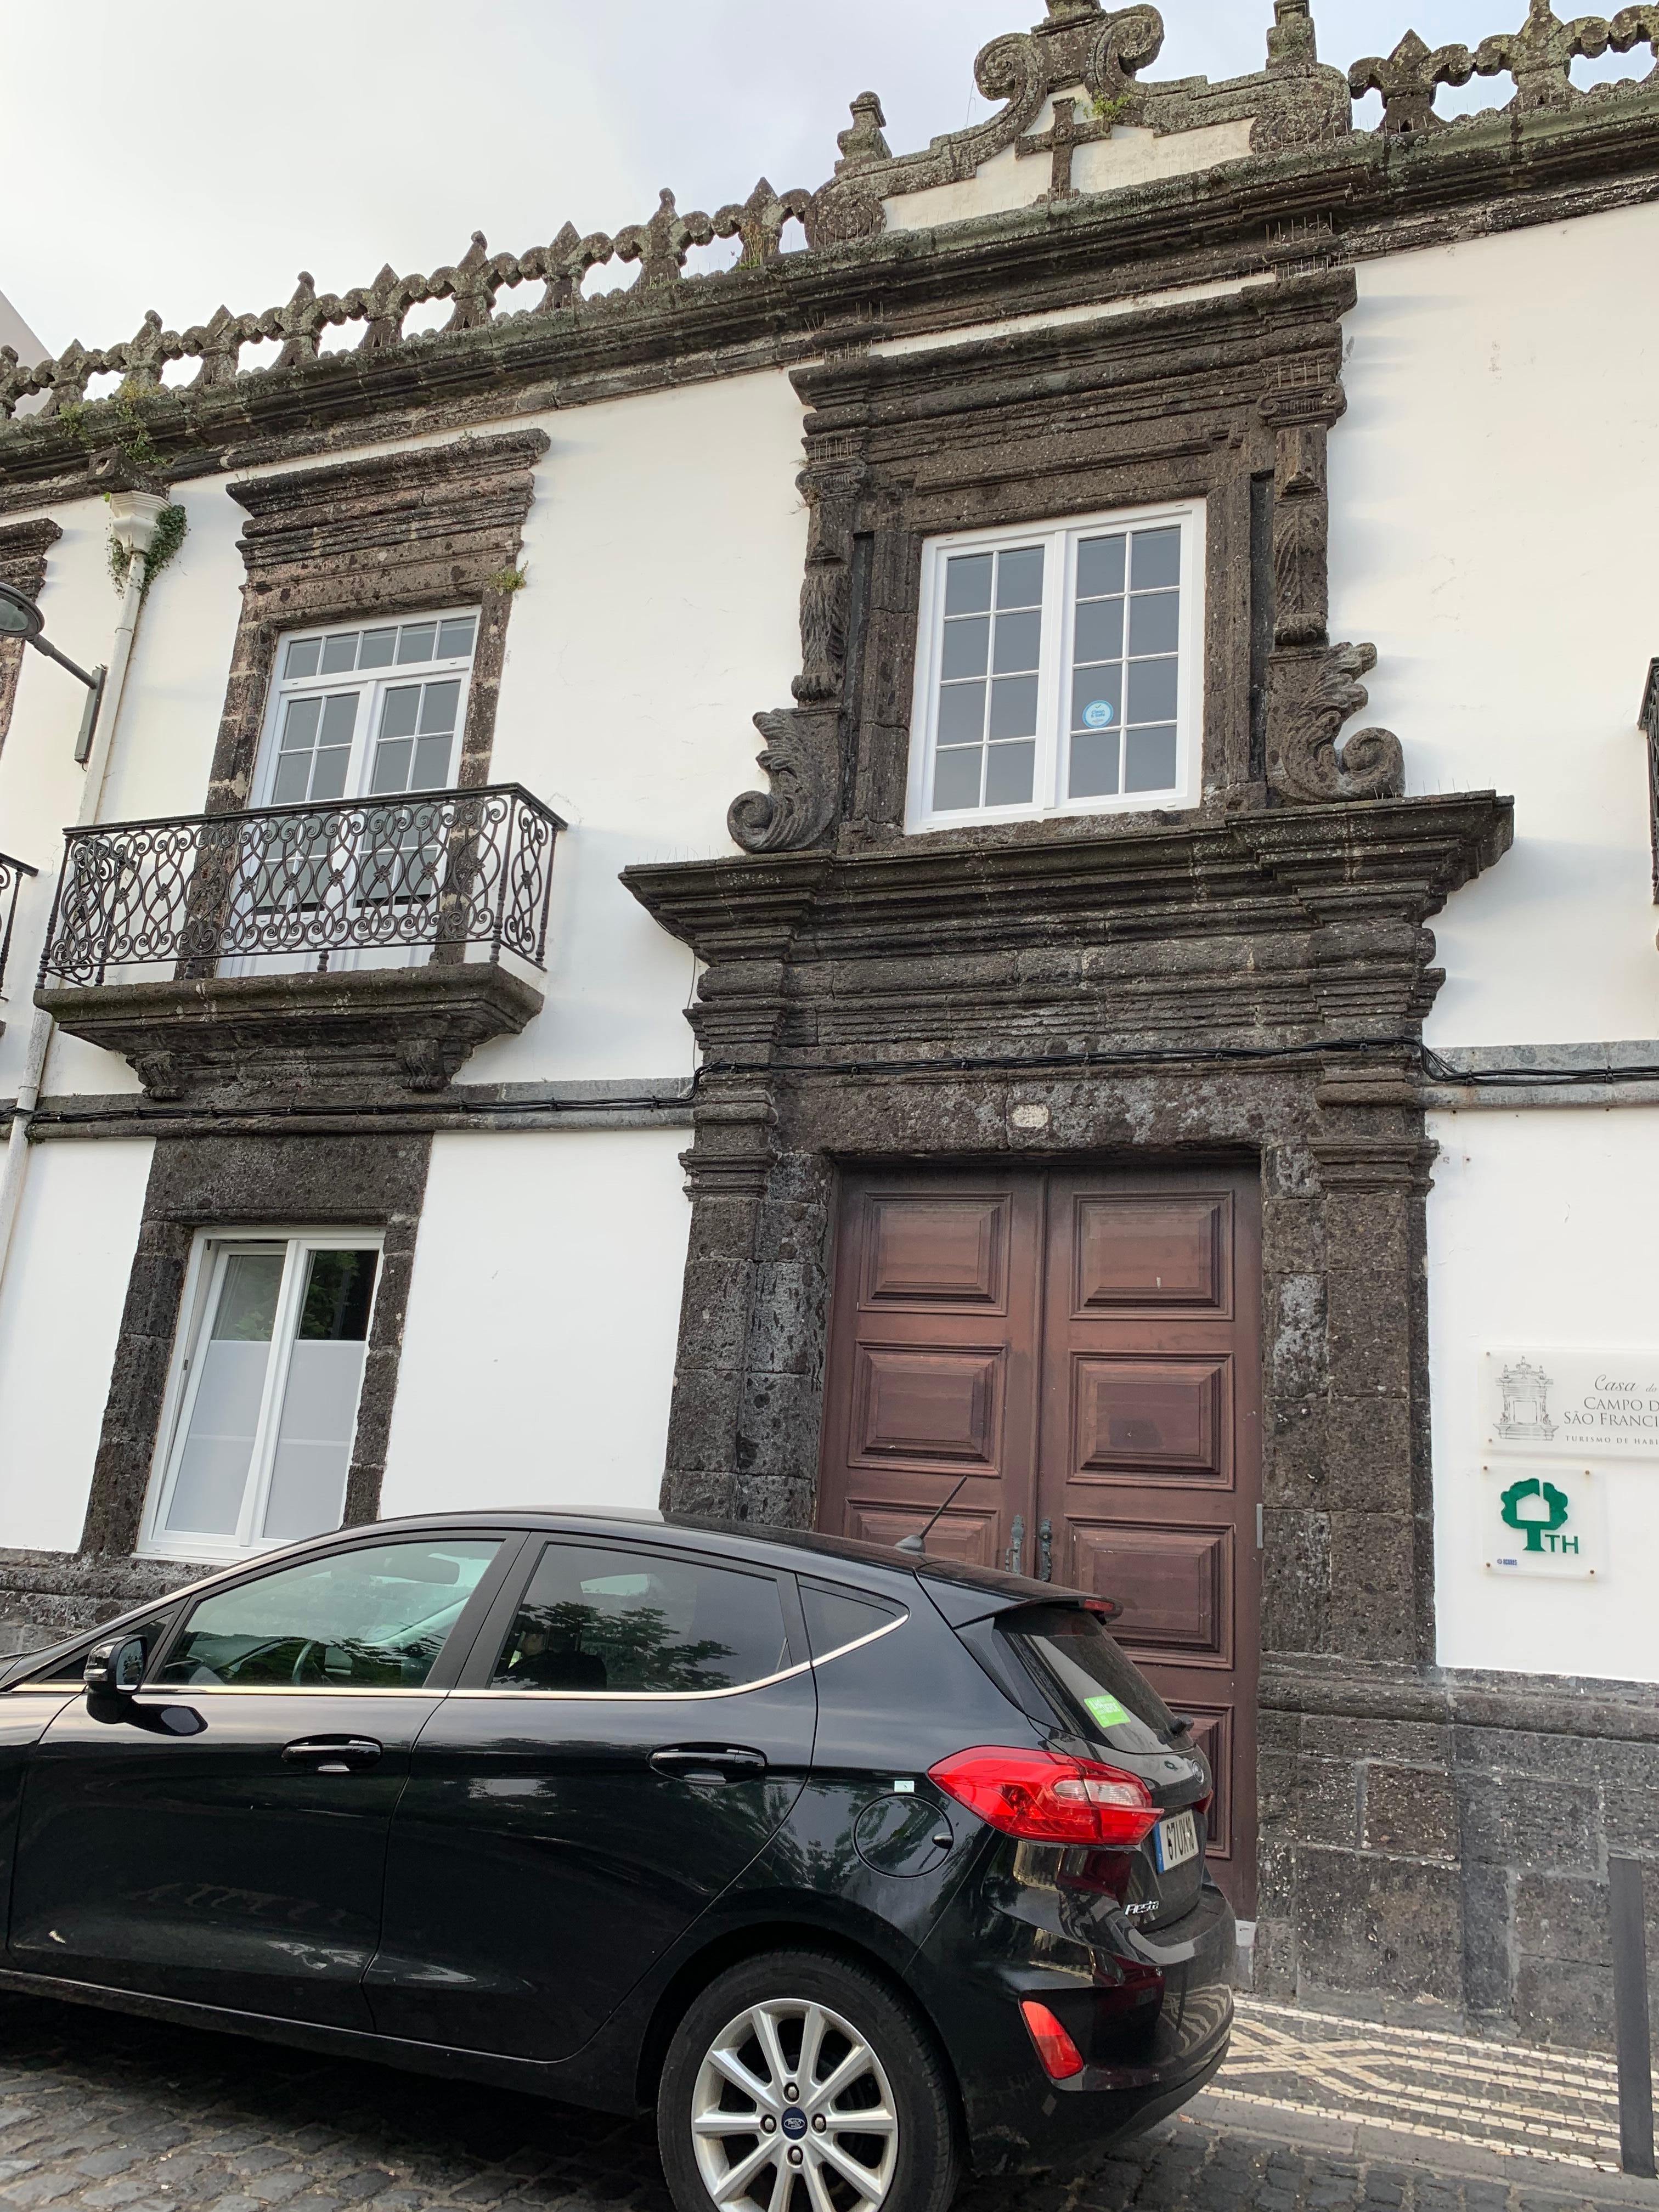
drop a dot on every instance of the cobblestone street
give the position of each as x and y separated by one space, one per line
120 2116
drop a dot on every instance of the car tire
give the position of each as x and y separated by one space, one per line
766 2016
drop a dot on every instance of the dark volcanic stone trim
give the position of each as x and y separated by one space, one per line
608 1102
46 1597
1446 1833
1225 400
23 550
375 538
226 1181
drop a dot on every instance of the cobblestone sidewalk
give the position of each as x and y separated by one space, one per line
122 2116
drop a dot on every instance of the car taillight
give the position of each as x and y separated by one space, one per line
1061 2056
1044 1798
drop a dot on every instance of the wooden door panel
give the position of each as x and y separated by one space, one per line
1162 1420
1084 1348
1149 1454
968 1536
922 1406
1166 1253
1212 1732
931 1375
1175 1585
937 1251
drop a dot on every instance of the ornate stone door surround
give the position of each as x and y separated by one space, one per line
1245 982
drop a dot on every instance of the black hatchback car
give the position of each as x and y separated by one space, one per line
857 1867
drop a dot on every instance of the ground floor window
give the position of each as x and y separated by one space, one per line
262 1404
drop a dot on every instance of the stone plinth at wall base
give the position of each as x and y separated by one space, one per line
1438 1843
261 1041
46 1597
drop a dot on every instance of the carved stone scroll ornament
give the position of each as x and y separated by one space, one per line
802 760
1311 693
1312 686
841 212
803 743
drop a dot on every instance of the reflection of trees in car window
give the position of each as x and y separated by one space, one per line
578 1647
596 1622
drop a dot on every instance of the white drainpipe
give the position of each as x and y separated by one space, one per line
133 518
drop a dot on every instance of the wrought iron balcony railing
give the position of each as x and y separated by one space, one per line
12 873
359 883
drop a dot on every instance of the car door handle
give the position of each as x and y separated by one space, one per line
708 1763
333 1754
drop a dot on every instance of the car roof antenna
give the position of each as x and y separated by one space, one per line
915 1548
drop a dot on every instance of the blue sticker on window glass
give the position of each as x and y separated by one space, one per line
1098 714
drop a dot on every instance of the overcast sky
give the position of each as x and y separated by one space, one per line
189 151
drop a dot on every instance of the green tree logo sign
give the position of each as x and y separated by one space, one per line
1542 1526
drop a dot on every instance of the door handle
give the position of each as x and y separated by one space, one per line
1016 1548
333 1754
710 1764
1046 1552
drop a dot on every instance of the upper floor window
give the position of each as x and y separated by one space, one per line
368 712
1059 670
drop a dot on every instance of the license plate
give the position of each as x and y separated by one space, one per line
1174 1841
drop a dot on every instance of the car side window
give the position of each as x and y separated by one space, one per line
835 1618
596 1619
375 1618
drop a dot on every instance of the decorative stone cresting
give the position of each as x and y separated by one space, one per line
1295 102
1539 57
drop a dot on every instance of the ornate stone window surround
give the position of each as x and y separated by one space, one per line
374 539
223 1185
197 1313
1224 402
1057 727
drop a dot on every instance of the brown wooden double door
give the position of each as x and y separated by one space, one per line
1086 1350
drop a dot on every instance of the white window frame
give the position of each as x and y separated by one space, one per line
155 1540
1060 539
370 684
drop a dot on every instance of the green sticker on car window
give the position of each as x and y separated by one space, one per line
1108 1712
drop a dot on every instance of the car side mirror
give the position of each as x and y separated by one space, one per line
115 1669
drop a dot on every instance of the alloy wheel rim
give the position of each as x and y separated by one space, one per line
831 2147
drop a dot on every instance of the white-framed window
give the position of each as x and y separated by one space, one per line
1060 669
261 1407
369 710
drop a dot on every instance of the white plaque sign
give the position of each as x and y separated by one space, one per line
1569 1402
1544 1520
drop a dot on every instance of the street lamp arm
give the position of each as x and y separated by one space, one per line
93 683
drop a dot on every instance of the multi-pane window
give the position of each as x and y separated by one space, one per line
368 713
1057 671
262 1407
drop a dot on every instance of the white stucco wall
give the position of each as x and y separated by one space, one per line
665 549
538 1348
665 553
1495 531
1009 180
1543 1225
60 1314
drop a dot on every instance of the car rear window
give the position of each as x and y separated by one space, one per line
1099 1690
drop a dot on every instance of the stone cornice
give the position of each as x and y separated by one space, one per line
1274 930
1362 194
